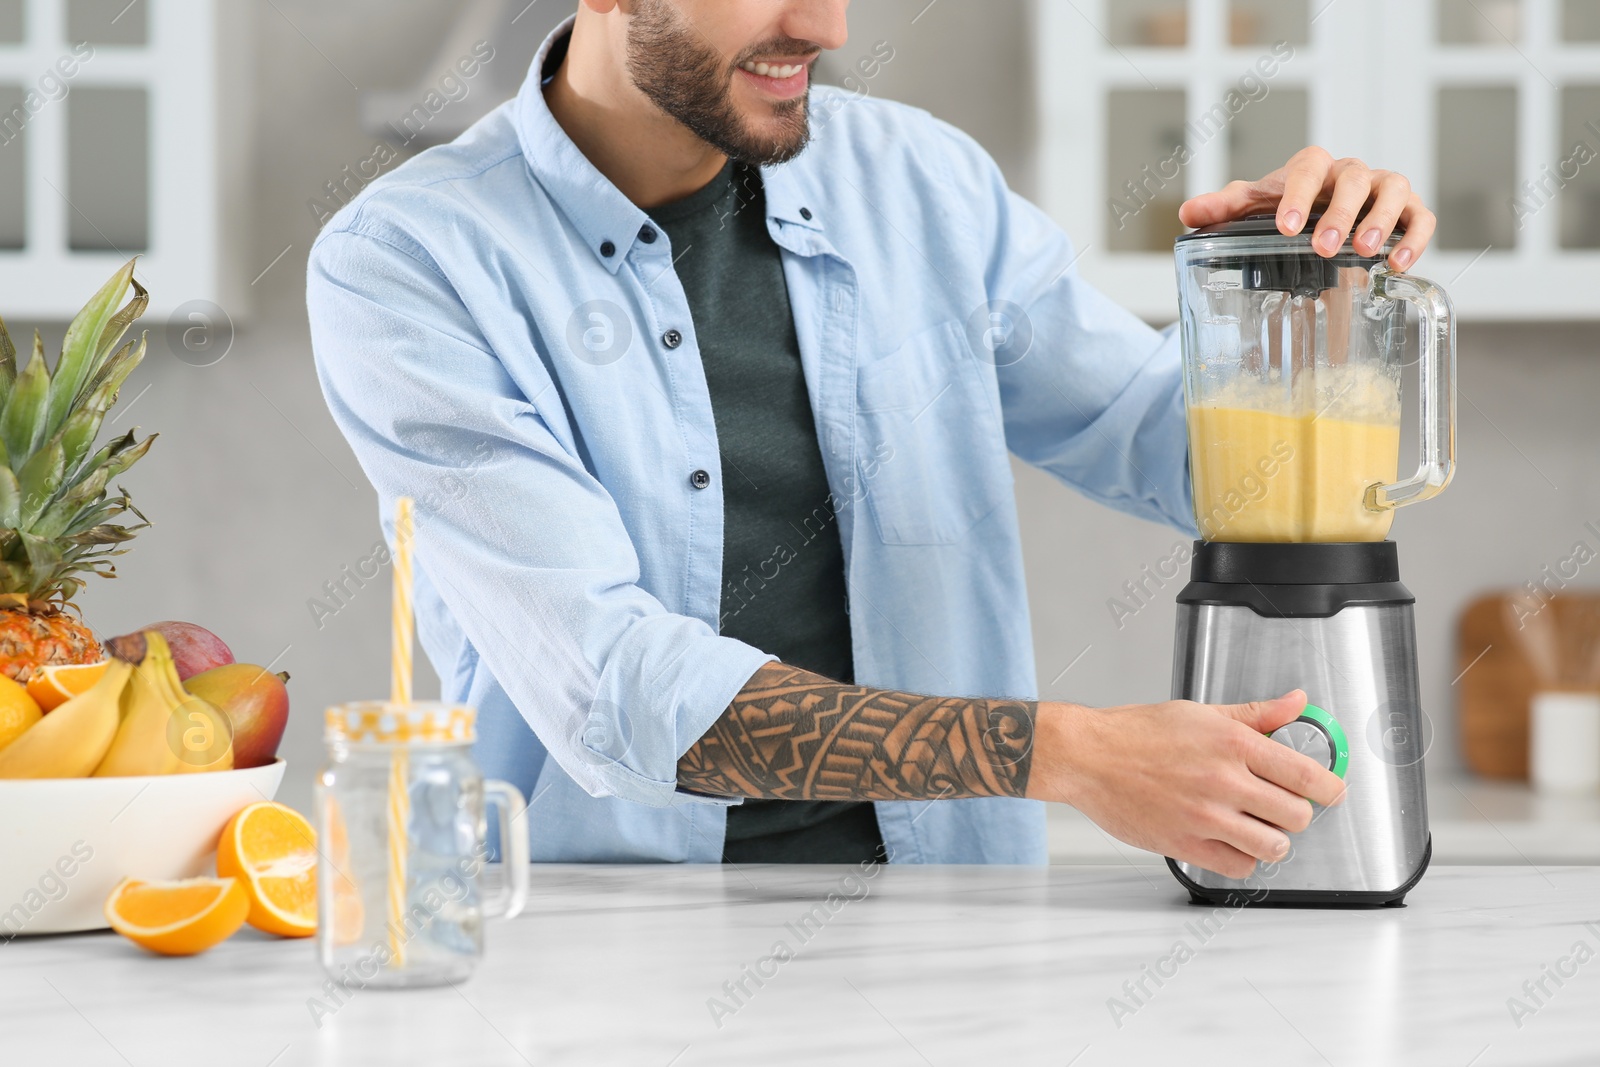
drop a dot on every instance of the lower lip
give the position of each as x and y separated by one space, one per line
782 88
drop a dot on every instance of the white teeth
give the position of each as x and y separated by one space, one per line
778 71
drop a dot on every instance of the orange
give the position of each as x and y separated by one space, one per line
177 918
53 686
18 711
272 850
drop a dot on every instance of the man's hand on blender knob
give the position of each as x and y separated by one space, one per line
1354 199
1203 784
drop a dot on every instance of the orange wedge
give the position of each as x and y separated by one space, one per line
272 850
53 686
177 918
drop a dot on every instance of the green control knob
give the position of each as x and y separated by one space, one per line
1311 731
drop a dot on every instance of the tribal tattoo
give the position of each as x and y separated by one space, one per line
794 735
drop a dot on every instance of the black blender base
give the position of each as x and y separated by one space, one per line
1301 898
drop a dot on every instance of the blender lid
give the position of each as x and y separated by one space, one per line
1269 261
1264 225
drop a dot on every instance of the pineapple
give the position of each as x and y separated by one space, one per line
56 517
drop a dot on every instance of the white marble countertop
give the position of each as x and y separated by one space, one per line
926 966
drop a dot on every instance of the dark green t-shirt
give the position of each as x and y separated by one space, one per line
783 584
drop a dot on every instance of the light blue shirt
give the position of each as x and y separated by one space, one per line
498 339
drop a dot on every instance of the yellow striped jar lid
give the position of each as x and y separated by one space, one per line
385 723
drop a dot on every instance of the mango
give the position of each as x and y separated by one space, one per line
256 702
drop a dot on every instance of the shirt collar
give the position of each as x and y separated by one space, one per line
597 209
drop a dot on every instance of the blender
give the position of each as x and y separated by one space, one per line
1292 380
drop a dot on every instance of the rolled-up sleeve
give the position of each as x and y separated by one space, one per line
534 563
1096 397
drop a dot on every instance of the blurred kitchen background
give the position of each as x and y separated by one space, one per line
215 134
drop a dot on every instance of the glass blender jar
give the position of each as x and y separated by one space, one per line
1292 380
1292 374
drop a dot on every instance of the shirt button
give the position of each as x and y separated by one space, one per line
607 249
805 213
648 235
672 338
700 479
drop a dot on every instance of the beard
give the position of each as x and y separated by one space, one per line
683 75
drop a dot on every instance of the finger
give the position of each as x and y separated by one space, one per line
1283 809
1420 224
1304 179
1265 716
1255 838
1219 858
1295 771
1391 194
1352 185
1234 200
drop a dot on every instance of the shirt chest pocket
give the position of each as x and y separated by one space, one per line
931 447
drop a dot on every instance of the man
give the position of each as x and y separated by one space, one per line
673 352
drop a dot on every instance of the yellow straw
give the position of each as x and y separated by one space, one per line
400 696
400 651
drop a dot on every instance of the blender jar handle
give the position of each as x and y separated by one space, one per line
513 848
1436 366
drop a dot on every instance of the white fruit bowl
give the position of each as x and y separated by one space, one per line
66 842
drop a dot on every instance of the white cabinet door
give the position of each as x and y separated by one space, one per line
1491 107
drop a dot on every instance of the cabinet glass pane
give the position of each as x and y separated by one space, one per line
1267 133
1580 20
1579 169
1149 23
13 168
1144 176
10 21
1476 152
112 22
108 170
1266 22
1480 22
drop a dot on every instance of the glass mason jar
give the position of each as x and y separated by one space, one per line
402 826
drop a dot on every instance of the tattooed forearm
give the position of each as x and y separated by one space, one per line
794 735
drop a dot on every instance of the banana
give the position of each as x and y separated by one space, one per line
70 741
163 729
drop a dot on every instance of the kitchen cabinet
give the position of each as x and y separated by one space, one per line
123 131
1491 107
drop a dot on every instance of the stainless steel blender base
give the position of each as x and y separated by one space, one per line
1360 666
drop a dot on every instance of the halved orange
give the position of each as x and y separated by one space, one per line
177 918
54 686
272 850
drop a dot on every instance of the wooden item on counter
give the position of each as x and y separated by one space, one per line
1500 677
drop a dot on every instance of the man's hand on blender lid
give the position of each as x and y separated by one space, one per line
1354 198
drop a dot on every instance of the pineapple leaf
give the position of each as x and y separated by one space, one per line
79 432
109 378
64 510
10 499
22 421
81 349
105 534
8 361
123 458
122 320
43 554
111 448
38 480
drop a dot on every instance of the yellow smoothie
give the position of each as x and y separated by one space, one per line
1265 476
